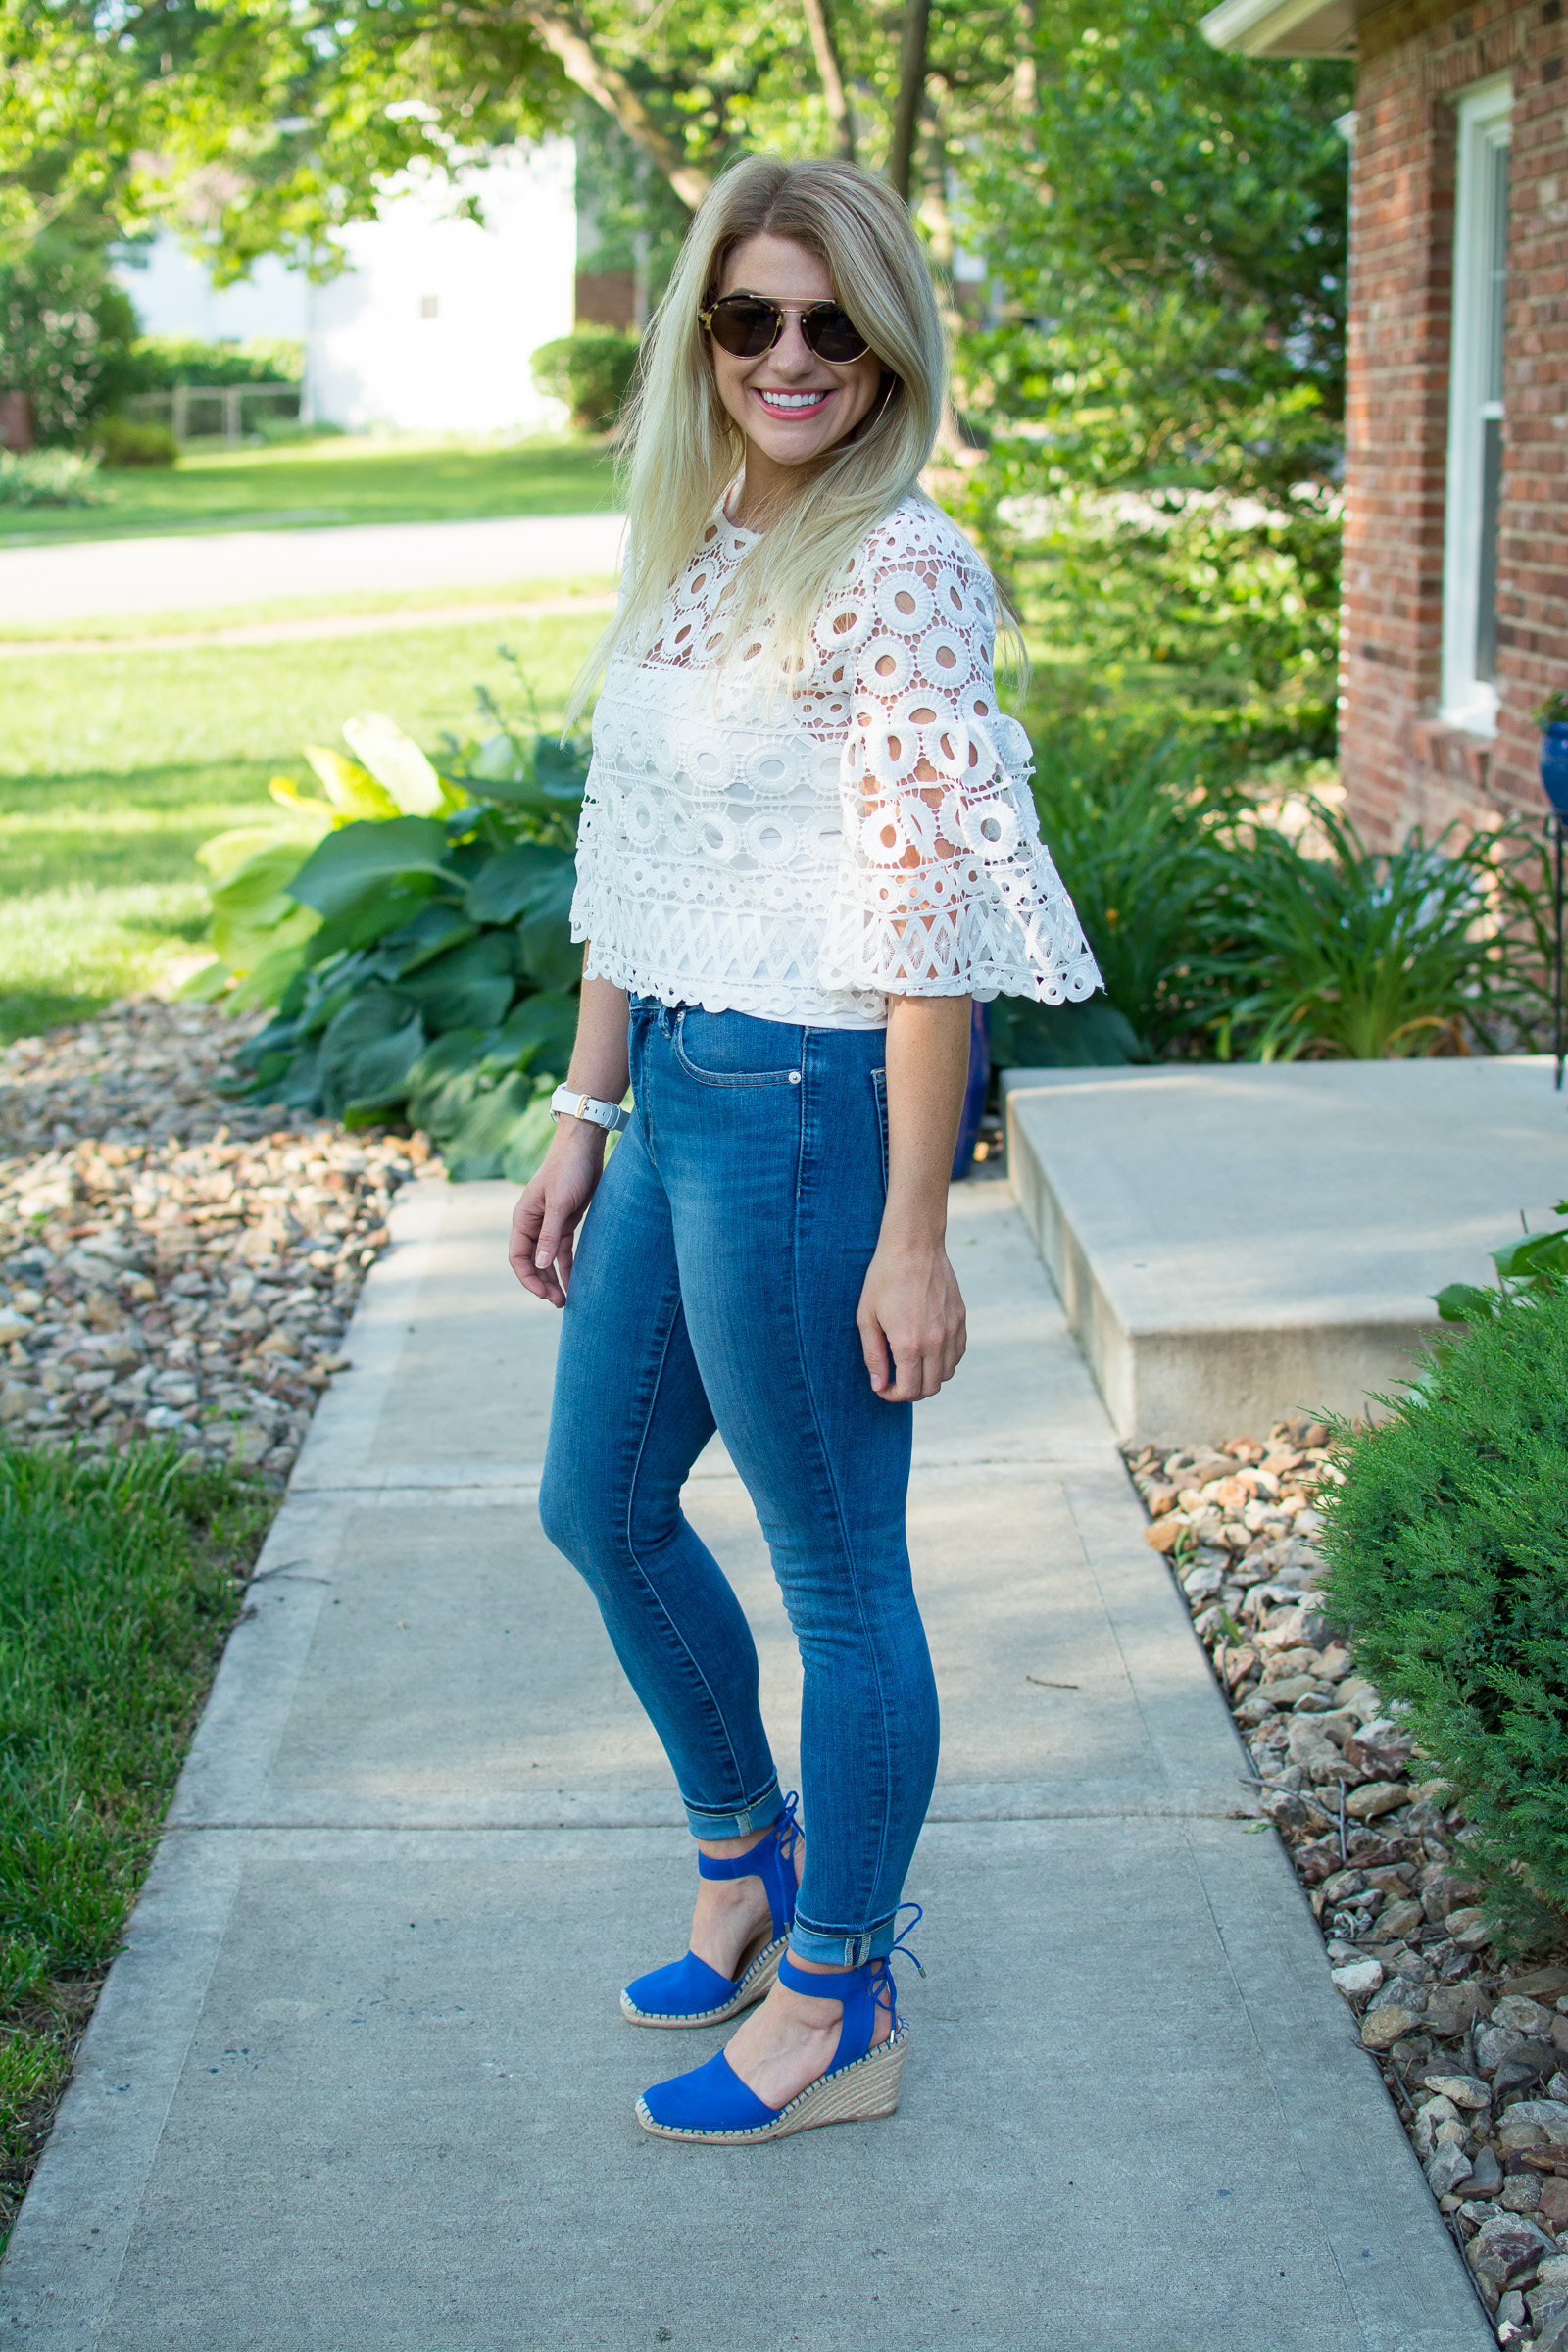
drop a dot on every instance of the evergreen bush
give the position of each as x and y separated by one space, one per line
124 441
591 371
1448 1550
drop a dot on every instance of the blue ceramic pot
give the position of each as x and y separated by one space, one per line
1555 764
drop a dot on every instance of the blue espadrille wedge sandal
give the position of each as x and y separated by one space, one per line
687 1991
713 2106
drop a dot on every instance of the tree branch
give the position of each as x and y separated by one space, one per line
831 76
563 32
912 90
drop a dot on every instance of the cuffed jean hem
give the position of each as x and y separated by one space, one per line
836 1949
759 1813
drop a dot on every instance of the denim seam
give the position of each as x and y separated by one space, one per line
827 1457
721 1078
649 1584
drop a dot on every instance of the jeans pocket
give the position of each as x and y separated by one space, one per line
879 1090
725 1049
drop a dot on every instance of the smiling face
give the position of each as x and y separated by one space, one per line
791 406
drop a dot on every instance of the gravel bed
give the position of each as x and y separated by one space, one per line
170 1264
1475 2056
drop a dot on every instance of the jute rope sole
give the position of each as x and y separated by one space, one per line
757 1980
862 2093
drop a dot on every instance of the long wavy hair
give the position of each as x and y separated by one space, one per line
681 447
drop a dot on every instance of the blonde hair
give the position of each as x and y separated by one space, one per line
682 448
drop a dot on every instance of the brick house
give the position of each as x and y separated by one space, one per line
1456 600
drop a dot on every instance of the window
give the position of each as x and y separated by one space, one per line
1475 410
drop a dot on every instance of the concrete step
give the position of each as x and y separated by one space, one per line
1235 1241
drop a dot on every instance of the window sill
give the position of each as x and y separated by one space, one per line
1462 754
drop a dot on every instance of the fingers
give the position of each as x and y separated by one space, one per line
874 1349
536 1243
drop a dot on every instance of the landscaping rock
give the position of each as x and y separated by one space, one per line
1382 2028
1408 1946
182 1267
1506 2248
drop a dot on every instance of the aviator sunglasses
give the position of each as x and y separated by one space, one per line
747 325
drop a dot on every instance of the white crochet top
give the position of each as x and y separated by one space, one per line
804 858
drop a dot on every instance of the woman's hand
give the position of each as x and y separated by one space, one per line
556 1200
911 1306
553 1202
912 1309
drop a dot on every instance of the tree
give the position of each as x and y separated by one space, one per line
1164 364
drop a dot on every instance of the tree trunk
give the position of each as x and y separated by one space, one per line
912 90
562 32
831 76
16 422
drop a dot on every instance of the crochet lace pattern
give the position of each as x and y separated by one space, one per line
803 856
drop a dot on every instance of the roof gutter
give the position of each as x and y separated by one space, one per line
1285 27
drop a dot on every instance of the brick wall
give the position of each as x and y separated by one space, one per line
1401 767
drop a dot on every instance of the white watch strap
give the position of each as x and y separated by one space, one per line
608 1115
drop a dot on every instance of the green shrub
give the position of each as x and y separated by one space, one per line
411 931
1135 835
157 363
1369 955
124 441
591 371
49 478
1448 1550
64 326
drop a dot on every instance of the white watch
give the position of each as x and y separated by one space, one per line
608 1115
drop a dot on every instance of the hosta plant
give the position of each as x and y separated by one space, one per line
410 931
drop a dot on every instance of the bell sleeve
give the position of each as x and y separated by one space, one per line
943 886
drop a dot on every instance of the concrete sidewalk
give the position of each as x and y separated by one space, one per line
185 571
358 2084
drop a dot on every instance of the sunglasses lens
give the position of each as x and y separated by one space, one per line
833 335
742 327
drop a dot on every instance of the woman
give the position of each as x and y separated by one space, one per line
808 842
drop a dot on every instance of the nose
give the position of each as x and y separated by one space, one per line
791 355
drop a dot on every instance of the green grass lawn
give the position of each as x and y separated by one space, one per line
118 1582
115 766
343 480
110 628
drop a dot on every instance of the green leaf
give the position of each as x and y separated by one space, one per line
1464 1303
470 987
525 879
395 761
477 1146
1088 1036
348 863
528 1142
270 978
445 1079
350 1067
388 908
541 1028
561 767
430 934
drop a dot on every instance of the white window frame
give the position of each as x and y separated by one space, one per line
1485 128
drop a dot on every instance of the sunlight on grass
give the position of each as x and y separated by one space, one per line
66 953
374 479
115 766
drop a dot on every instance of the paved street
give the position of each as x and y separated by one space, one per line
183 572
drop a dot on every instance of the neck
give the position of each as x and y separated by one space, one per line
766 489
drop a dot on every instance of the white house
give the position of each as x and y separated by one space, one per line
433 326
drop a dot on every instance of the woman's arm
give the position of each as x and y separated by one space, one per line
912 1304
556 1199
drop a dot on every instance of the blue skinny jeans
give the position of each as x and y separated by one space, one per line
715 1286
